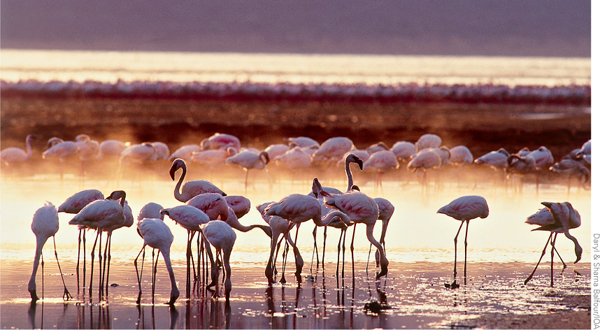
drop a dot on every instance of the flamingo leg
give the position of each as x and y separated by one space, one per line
92 270
315 248
66 294
552 260
456 248
139 274
538 263
323 259
465 266
78 255
100 277
155 266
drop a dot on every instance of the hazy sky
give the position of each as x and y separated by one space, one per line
439 27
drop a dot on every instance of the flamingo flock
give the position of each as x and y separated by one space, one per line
211 215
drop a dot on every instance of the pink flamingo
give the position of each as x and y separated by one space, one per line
190 188
464 209
249 160
564 218
44 225
12 155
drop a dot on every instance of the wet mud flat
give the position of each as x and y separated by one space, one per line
412 296
481 126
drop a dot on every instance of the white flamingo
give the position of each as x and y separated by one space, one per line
189 218
426 159
332 150
111 149
44 225
162 150
564 217
464 209
213 204
220 141
157 234
61 150
185 152
379 146
460 155
296 209
294 158
249 160
98 215
381 161
572 168
239 204
404 150
73 205
543 159
222 237
301 141
213 157
428 141
494 159
13 155
275 150
191 188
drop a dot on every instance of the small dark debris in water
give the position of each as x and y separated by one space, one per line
311 278
114 285
576 272
453 286
375 306
462 326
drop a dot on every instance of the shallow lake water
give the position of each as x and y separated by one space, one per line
502 251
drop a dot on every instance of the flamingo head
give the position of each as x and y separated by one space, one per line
177 164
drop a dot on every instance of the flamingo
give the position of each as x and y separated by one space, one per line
189 218
239 204
460 155
157 234
12 155
332 149
424 160
249 160
220 235
152 211
464 209
98 215
294 158
73 205
185 152
543 159
404 150
386 210
220 141
564 217
520 165
494 159
359 208
213 204
44 225
111 149
275 150
57 148
571 168
191 188
428 141
381 161
379 146
278 226
297 208
213 157
162 150
86 148
301 141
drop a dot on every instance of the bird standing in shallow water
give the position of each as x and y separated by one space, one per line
464 209
44 225
564 217
157 235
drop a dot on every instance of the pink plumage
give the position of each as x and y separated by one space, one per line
466 208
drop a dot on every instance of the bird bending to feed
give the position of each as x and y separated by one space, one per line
464 209
564 218
297 208
221 141
73 205
105 214
220 235
157 234
191 188
44 225
12 155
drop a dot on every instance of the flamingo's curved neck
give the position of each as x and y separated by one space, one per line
349 176
177 192
327 219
